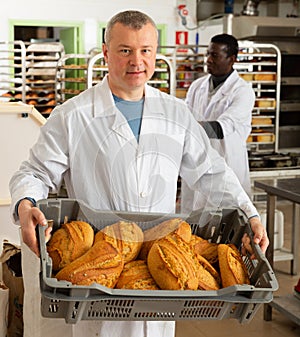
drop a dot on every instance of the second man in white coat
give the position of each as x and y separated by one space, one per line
222 103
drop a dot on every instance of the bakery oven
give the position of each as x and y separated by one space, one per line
273 161
289 119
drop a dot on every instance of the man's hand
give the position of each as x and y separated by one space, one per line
30 217
260 237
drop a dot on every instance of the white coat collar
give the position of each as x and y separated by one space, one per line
229 83
104 104
226 88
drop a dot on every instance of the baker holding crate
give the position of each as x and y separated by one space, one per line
120 145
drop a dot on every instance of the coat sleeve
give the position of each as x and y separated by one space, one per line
232 109
236 116
191 93
47 162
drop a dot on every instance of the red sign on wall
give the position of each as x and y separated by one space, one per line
181 38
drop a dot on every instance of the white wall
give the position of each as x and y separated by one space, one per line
17 135
90 12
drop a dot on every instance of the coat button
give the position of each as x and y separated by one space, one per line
143 194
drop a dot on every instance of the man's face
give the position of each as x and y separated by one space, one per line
130 57
218 63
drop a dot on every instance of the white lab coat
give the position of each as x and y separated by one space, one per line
231 106
88 143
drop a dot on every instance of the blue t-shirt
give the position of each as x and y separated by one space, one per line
132 111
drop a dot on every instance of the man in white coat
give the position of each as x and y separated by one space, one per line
222 102
120 145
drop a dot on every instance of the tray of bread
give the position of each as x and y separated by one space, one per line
104 265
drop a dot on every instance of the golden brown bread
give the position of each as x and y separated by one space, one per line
264 77
177 225
7 94
69 242
172 264
102 264
261 121
32 102
264 138
126 236
18 96
204 248
265 103
247 77
250 139
232 268
136 275
208 277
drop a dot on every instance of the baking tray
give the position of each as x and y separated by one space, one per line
61 299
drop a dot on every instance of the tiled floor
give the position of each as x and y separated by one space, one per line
280 326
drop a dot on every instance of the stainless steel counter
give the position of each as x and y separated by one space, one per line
288 189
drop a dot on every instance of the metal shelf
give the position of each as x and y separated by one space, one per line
41 62
262 60
13 70
71 76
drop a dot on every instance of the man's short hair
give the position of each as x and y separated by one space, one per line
131 18
230 41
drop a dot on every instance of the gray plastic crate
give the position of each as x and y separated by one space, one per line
61 299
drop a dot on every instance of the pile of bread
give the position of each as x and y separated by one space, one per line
167 256
260 135
258 76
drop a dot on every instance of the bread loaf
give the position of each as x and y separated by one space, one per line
204 248
264 77
264 138
102 264
136 275
31 102
260 135
172 264
7 94
69 242
232 268
265 103
247 76
261 121
126 236
177 225
208 277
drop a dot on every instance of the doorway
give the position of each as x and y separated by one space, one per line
69 34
